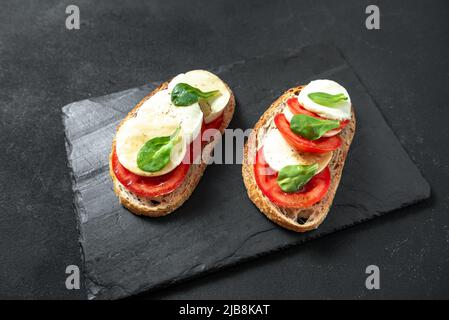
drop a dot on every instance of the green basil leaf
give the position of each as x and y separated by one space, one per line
155 153
185 95
326 99
294 177
311 128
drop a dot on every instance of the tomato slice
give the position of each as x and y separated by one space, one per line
296 108
310 194
321 145
149 186
216 124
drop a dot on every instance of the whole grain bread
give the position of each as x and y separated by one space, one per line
163 205
299 220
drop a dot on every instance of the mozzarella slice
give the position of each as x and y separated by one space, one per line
278 153
205 81
341 111
288 114
331 133
159 107
135 132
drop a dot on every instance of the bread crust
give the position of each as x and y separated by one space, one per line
163 205
298 220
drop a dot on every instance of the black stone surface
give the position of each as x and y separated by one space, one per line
219 226
125 44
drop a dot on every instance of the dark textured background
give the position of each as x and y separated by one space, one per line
121 45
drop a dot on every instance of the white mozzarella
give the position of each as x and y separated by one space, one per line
205 81
288 114
135 132
331 133
159 107
341 111
278 153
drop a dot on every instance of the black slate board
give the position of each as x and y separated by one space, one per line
219 226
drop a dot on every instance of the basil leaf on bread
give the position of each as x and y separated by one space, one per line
155 153
292 178
326 99
310 127
184 95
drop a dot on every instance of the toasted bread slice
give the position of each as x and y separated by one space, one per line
299 220
163 205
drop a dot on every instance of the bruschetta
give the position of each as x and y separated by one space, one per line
294 157
158 154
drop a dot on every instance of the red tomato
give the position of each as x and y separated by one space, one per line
214 124
343 124
198 144
296 108
149 186
310 194
321 145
